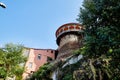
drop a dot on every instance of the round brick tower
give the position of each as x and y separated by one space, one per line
69 38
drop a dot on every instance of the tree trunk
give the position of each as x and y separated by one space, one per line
92 69
100 75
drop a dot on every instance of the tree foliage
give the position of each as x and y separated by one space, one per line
10 59
101 19
43 73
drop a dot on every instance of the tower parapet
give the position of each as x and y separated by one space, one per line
68 39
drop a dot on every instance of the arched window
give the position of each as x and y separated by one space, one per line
39 56
71 27
77 27
61 30
66 28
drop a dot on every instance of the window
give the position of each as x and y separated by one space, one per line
30 64
71 27
39 57
32 72
49 59
51 51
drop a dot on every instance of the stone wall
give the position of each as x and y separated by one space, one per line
68 44
68 38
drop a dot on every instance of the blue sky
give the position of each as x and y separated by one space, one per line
33 23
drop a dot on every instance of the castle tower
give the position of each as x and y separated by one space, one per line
69 38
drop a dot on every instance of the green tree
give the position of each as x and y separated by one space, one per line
43 73
101 19
10 60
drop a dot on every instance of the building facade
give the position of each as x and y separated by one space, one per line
68 38
36 58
